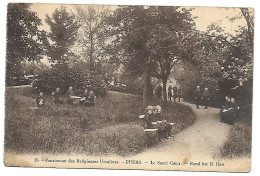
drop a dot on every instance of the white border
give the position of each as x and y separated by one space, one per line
50 171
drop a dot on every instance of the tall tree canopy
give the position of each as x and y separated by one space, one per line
145 39
90 40
24 39
62 35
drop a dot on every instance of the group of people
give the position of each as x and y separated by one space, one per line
202 97
154 120
174 92
87 99
229 111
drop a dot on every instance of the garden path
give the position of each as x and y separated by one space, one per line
201 142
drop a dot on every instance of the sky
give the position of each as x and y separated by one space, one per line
205 16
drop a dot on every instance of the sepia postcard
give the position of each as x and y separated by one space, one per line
129 87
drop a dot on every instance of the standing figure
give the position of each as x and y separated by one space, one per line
57 98
159 91
197 96
175 93
205 98
179 94
40 100
170 93
70 93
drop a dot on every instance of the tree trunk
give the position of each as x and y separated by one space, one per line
164 89
146 88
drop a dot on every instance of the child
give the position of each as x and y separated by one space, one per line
40 100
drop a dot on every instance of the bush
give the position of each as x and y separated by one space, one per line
62 76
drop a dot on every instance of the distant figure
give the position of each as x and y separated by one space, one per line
175 93
159 91
57 98
230 111
170 93
69 93
179 94
205 98
197 96
88 98
40 100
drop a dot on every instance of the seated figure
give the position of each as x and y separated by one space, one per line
70 93
40 100
57 97
166 126
230 111
88 98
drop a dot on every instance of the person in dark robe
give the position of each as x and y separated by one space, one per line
205 98
175 93
179 94
197 96
170 93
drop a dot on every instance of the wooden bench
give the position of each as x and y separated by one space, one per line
152 134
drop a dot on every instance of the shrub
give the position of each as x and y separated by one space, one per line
62 76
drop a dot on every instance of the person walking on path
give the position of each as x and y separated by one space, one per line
175 93
170 93
197 96
179 94
205 98
159 91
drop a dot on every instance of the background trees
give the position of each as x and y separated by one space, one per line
24 40
90 40
62 35
146 40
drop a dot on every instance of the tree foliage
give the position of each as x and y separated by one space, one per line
24 39
146 39
62 35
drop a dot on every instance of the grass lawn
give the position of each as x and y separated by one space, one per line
239 141
110 127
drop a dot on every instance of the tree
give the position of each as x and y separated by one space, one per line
128 31
146 40
24 39
62 35
174 27
90 38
